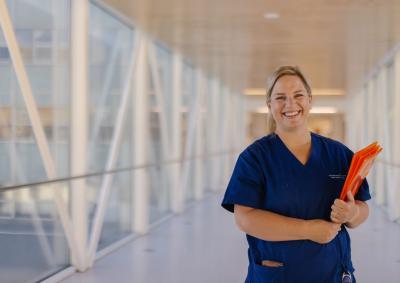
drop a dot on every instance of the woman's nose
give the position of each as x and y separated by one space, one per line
289 100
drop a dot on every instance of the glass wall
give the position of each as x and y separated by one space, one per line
31 231
32 241
160 116
42 30
110 50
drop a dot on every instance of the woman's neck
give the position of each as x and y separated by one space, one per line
294 138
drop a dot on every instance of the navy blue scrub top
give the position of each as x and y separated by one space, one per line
268 176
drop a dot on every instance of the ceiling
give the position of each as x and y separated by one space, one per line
335 42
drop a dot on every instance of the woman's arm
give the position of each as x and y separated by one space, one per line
270 226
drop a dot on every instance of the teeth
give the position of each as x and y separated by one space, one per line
291 114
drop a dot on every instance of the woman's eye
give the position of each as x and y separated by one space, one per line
280 98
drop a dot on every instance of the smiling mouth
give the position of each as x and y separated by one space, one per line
291 114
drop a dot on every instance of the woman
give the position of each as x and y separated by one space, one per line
284 194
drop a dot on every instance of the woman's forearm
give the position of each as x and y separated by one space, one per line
268 225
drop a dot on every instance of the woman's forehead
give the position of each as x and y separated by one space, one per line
288 83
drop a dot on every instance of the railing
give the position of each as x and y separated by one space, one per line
119 170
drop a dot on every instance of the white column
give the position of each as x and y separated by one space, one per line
223 139
350 120
215 133
58 7
199 138
79 124
162 119
208 134
226 130
381 123
245 122
177 199
395 211
237 133
359 121
193 112
140 130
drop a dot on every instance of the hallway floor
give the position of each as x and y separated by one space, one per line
203 245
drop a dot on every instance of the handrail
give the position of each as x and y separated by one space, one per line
118 170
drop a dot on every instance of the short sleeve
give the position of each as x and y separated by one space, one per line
363 193
246 185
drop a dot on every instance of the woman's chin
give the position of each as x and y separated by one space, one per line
293 125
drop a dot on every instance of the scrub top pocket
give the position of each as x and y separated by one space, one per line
336 184
334 187
266 274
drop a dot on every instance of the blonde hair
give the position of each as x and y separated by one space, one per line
273 78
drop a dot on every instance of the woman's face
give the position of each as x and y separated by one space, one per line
290 103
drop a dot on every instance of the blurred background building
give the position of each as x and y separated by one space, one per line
118 116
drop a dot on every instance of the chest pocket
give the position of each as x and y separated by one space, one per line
334 185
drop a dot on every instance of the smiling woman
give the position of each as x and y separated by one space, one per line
284 199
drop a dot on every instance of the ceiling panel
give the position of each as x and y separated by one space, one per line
335 42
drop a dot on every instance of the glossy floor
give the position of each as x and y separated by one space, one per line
203 245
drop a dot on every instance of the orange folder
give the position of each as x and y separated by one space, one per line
360 166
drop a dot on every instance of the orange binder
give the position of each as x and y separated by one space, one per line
360 166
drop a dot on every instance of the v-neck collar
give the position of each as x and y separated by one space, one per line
291 154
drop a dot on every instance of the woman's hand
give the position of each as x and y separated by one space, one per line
344 212
322 231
